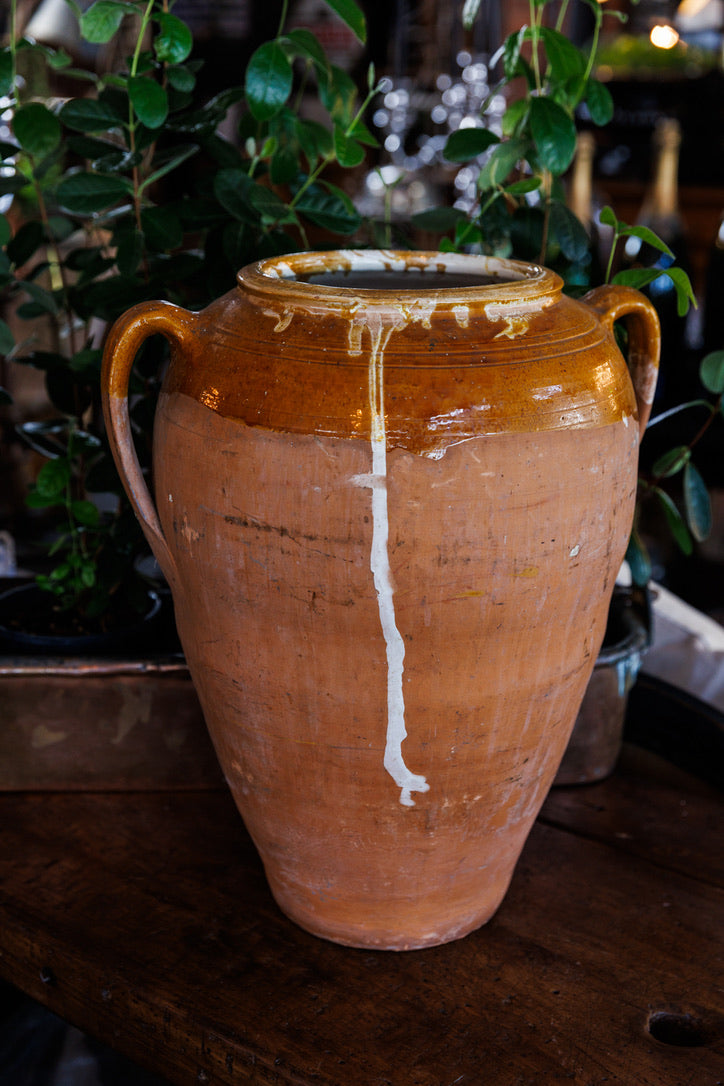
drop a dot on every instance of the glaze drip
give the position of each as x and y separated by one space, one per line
394 761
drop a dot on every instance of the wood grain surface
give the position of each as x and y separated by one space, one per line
145 919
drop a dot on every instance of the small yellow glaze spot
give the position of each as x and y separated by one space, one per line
514 327
528 571
210 397
283 320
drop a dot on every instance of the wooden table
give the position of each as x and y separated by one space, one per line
145 920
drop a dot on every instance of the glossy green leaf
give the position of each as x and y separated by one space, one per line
43 298
599 101
88 574
638 278
7 339
269 80
149 100
697 503
468 143
12 183
503 160
711 372
284 164
332 211
5 230
53 478
60 227
347 151
85 513
439 220
684 291
675 521
174 42
521 188
307 45
608 218
6 72
35 500
360 132
638 560
270 206
181 78
565 60
351 14
569 232
315 140
90 115
339 96
59 60
671 462
470 12
554 135
93 148
36 129
646 235
103 18
515 117
8 150
511 52
25 243
232 188
87 193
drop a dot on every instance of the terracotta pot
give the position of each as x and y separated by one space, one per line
392 494
595 744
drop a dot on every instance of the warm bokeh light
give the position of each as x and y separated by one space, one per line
663 37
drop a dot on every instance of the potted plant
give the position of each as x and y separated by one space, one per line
119 189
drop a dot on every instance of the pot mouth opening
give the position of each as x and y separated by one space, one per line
382 275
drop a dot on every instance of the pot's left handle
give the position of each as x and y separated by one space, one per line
612 303
123 342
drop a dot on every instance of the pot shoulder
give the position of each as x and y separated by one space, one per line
449 372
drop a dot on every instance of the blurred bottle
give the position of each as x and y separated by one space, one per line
585 202
660 212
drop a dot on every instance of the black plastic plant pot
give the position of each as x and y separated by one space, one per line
19 637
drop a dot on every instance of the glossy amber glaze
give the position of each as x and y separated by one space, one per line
392 520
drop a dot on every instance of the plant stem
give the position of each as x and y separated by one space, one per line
330 156
598 15
611 253
547 178
282 18
562 15
133 71
535 38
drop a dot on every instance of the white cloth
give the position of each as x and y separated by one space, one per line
687 649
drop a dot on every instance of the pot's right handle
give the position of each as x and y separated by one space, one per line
124 340
614 303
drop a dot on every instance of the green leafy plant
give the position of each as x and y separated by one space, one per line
521 212
521 209
693 521
126 192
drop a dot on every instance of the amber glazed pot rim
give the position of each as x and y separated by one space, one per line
286 277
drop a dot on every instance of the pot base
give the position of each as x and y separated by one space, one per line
385 925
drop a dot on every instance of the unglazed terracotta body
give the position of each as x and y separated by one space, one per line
392 521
